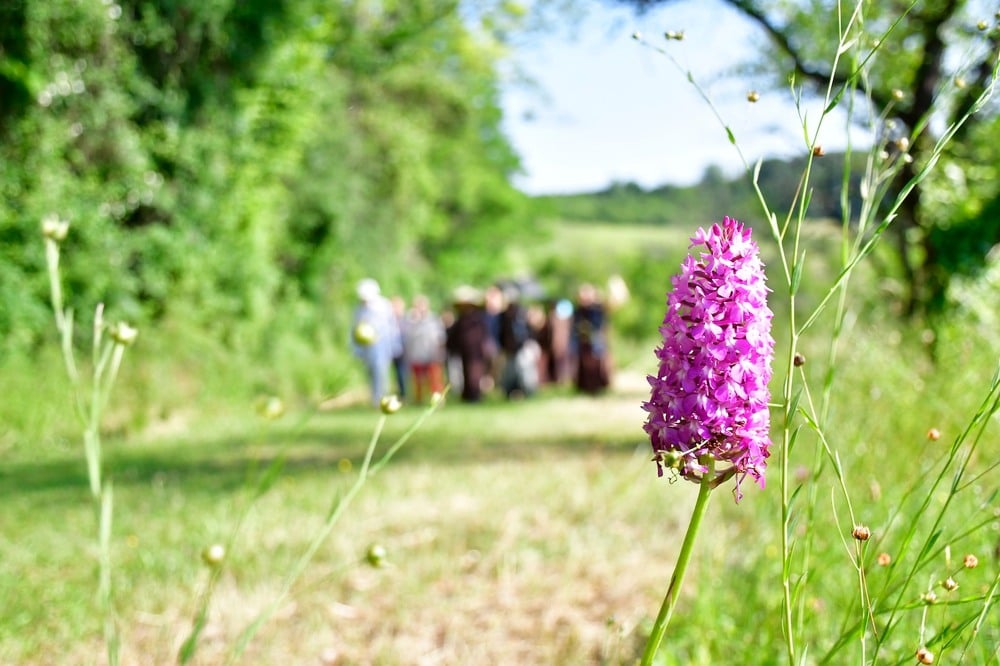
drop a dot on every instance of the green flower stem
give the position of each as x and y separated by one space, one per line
670 600
339 506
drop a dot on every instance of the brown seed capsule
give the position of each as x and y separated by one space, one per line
929 597
970 561
861 533
949 584
798 360
884 559
925 656
934 434
818 151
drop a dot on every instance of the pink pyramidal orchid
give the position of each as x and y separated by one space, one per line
709 398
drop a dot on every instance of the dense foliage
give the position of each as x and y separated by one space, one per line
238 165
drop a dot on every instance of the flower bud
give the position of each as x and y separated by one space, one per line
929 598
55 229
818 151
884 559
949 584
861 533
798 360
123 334
925 656
898 94
934 434
753 96
213 555
970 561
390 404
674 35
983 25
376 555
364 334
271 408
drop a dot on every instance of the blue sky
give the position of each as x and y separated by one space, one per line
609 109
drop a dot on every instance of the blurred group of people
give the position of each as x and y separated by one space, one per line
504 338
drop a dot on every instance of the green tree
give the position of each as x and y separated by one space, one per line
228 162
935 60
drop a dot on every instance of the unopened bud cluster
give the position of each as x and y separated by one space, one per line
123 333
55 229
390 404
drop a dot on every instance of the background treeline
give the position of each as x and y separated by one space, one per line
630 203
231 168
234 166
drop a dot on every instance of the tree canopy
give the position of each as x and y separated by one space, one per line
226 161
919 68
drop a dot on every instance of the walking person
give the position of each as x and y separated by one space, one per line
375 337
423 342
590 342
400 367
467 338
519 377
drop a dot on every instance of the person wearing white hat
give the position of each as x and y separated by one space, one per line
375 337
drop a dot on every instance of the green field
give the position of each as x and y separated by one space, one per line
531 532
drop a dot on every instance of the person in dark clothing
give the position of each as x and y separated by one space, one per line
467 338
520 372
399 365
493 304
590 342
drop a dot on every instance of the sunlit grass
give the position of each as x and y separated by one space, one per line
530 532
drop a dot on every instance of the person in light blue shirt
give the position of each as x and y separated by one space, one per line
375 337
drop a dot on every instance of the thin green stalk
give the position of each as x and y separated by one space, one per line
673 591
988 408
987 604
340 505
111 638
107 358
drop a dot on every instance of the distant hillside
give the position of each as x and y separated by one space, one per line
713 197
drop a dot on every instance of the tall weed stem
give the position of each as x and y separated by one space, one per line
108 352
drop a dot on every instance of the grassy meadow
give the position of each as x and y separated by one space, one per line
526 532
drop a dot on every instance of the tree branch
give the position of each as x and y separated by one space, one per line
815 75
